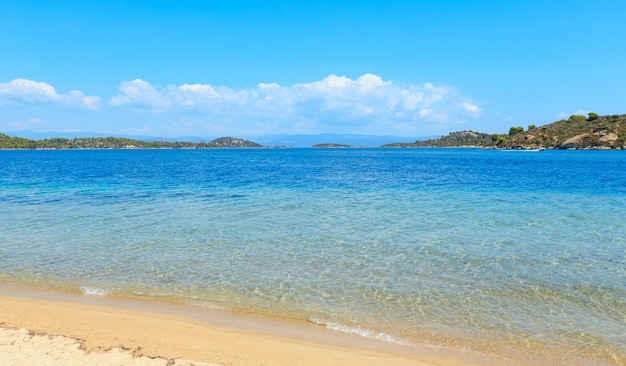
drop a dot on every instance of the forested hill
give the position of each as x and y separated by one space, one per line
232 142
8 142
577 132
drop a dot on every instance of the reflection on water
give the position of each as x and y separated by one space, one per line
468 248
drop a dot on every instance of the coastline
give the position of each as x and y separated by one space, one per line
144 330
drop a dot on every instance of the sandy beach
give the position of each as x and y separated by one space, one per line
76 331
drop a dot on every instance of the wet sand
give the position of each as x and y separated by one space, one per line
60 329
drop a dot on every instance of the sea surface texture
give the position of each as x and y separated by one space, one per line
487 250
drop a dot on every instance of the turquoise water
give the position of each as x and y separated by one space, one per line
455 247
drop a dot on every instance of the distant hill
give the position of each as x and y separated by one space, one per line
72 135
286 140
8 142
454 139
327 145
232 142
54 140
577 132
341 139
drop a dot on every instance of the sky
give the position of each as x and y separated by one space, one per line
250 68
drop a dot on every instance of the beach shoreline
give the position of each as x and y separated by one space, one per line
175 333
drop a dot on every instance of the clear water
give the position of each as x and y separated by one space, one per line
457 247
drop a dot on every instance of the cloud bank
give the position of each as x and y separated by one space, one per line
335 104
28 92
367 102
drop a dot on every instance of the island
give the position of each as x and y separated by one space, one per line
592 132
331 146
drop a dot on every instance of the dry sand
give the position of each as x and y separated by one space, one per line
36 331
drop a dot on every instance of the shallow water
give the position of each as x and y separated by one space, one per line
455 247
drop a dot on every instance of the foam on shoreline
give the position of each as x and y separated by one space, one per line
170 331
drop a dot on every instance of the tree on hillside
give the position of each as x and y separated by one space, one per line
592 116
515 130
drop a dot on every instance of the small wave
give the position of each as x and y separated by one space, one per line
360 332
212 306
93 291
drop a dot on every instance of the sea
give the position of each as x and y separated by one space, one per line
494 251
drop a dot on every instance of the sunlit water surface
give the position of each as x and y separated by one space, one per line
454 247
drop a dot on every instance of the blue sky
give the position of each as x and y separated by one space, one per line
245 68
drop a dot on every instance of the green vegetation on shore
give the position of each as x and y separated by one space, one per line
8 142
577 132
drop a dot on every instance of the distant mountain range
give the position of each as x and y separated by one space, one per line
577 132
285 140
340 139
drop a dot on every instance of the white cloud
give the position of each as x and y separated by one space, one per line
28 92
35 121
369 102
471 108
565 115
141 95
562 115
195 95
77 99
28 123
